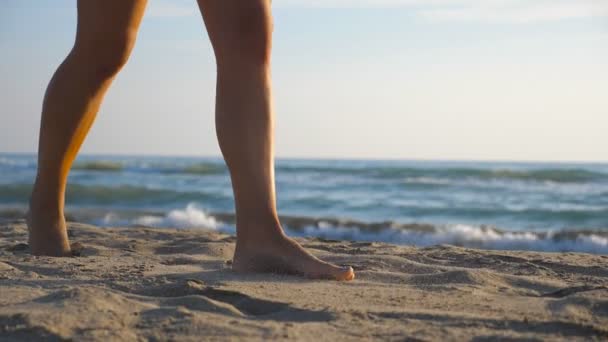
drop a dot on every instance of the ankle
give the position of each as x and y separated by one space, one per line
258 232
47 198
47 206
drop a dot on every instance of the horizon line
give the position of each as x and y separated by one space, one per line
334 158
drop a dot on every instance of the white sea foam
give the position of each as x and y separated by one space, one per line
14 162
427 180
463 235
457 234
190 217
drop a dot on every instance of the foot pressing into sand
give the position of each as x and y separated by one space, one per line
280 254
272 254
47 231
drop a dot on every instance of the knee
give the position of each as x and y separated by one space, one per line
248 39
105 56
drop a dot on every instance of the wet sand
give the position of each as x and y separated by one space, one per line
141 283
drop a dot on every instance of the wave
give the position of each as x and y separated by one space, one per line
552 175
470 236
562 214
164 168
443 176
100 165
16 162
435 175
197 169
106 195
190 217
418 234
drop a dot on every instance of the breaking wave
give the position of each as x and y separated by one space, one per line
190 217
417 234
471 236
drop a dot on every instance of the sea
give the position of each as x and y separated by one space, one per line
554 207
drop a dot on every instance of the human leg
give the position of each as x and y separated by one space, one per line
240 32
104 39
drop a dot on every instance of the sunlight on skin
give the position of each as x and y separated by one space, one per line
241 36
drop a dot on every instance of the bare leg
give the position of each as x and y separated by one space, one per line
104 39
240 33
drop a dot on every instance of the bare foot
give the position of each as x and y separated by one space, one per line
47 232
284 255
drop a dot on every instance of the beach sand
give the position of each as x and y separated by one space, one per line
142 283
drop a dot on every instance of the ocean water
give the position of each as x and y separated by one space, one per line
525 206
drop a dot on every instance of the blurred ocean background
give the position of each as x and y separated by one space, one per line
495 205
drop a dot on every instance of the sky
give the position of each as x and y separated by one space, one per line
382 79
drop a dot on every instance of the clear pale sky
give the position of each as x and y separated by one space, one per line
406 79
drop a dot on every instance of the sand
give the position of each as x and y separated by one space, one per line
142 283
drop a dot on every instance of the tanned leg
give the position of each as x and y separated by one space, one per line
104 39
240 33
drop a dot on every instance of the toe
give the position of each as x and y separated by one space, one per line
345 273
330 271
